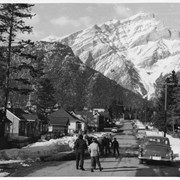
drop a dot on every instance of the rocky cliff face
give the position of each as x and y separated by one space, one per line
77 85
134 52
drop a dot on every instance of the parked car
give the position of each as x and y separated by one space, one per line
53 135
155 148
114 130
140 134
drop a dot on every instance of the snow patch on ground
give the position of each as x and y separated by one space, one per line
3 174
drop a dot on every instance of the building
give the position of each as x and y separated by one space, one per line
24 123
63 121
78 124
5 127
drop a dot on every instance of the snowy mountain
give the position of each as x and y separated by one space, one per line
134 52
75 84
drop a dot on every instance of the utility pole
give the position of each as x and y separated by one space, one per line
145 110
165 110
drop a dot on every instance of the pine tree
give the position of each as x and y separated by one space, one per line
12 23
45 98
163 120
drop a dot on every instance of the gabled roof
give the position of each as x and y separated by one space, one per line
61 121
61 113
30 117
85 113
23 115
77 116
17 112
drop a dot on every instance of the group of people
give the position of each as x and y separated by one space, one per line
95 149
108 143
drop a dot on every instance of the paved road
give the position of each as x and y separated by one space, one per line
126 164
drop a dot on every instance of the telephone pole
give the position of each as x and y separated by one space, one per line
165 110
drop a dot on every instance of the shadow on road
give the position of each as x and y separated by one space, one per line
159 168
120 170
121 167
116 169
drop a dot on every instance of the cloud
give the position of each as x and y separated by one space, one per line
123 11
66 21
33 36
33 21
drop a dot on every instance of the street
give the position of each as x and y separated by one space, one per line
127 164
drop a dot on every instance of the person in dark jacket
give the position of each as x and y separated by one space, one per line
107 142
115 146
80 146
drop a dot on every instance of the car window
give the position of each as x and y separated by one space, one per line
157 140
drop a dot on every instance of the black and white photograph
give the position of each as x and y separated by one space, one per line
89 89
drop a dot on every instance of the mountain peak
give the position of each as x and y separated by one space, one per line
139 16
51 38
134 52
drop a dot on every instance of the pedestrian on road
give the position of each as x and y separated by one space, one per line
80 146
115 146
107 143
94 153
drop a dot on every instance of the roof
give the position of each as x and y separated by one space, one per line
77 116
84 113
62 121
18 112
105 114
30 117
61 113
23 115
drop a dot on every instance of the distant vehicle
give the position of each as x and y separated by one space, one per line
140 134
53 135
114 130
155 148
119 123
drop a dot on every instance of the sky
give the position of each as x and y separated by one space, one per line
59 18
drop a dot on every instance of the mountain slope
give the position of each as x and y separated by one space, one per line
77 85
134 52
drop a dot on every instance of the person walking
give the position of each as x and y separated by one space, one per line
115 146
80 146
107 145
94 153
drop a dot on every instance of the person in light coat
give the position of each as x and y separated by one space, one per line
94 153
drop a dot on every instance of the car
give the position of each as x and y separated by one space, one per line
155 148
114 130
140 134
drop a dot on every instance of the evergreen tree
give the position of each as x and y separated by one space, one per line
12 23
163 119
45 98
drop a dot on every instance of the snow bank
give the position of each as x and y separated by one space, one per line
3 174
43 149
98 135
67 140
39 149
